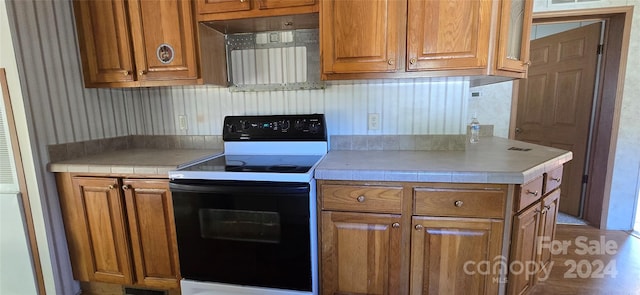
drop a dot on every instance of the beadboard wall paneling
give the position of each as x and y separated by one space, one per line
63 110
58 110
405 107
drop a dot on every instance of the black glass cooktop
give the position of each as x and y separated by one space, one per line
258 163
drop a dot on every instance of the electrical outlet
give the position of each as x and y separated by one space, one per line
373 121
182 122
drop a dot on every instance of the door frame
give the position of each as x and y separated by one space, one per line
22 184
607 116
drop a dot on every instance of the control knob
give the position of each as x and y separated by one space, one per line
299 125
314 127
284 125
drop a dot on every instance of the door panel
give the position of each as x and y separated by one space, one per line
104 41
153 236
353 242
163 35
268 4
448 34
215 6
104 230
561 83
446 246
360 36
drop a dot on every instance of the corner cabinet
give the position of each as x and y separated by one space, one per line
416 38
534 224
137 43
120 230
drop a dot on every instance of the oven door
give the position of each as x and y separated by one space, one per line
244 232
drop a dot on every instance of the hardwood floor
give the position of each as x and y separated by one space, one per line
612 265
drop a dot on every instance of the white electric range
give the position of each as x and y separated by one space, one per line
246 219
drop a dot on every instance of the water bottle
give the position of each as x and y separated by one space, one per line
475 130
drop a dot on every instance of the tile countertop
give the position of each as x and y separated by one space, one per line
489 161
134 161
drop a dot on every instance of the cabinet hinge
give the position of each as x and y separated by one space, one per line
600 49
585 178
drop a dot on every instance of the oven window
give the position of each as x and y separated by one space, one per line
240 225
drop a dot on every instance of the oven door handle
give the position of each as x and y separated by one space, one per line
296 188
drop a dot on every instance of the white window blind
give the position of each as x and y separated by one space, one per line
8 177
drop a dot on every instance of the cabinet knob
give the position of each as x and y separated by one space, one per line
527 63
126 187
111 186
458 203
413 60
391 61
548 207
360 199
556 179
126 73
534 193
142 72
419 227
395 225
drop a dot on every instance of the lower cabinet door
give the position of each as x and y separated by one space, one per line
547 230
523 249
450 255
101 230
153 233
361 253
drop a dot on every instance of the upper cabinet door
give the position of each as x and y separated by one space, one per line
448 34
359 36
515 28
104 41
215 6
164 39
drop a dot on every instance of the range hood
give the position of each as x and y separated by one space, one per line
259 54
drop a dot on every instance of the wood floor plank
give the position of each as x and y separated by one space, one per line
614 269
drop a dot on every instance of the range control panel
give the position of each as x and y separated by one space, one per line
310 127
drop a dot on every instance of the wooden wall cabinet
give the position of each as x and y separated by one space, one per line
532 222
416 38
136 43
402 238
120 230
212 10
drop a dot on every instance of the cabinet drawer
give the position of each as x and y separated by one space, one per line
529 193
459 202
383 199
553 180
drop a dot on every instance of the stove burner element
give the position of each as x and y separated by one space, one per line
282 168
